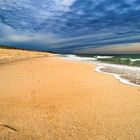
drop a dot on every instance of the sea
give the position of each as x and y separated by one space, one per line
124 67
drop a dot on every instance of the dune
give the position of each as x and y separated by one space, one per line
50 98
8 54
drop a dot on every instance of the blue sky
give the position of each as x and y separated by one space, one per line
69 25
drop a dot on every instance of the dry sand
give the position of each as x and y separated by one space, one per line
55 99
11 55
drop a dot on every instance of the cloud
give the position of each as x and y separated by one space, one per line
69 24
130 1
10 36
132 48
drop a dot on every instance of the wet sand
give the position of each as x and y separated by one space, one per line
132 76
51 98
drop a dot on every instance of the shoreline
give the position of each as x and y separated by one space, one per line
97 69
53 98
100 66
117 76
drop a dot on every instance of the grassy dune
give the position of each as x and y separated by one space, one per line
10 54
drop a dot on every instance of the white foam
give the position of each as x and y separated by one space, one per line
100 65
133 60
103 56
124 67
74 57
117 76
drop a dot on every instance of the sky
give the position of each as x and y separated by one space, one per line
71 26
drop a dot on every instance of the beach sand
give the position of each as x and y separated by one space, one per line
50 98
11 55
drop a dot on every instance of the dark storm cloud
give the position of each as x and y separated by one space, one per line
69 25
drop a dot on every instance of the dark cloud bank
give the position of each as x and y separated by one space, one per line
69 25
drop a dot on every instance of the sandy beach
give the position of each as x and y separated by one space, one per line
12 55
50 98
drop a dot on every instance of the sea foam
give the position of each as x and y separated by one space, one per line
126 74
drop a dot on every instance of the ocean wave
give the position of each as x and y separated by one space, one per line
125 74
133 60
75 57
103 57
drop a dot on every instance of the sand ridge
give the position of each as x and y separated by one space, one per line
11 55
